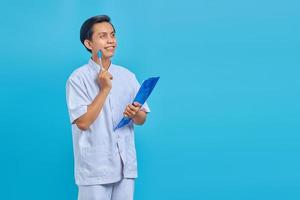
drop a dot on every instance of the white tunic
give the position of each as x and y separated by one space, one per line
99 151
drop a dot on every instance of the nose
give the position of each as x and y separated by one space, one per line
110 40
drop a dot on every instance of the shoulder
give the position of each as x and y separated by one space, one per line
78 74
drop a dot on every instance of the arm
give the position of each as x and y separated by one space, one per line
94 109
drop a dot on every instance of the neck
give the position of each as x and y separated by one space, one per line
105 62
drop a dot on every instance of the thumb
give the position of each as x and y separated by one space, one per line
102 70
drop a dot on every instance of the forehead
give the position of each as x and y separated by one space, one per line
103 27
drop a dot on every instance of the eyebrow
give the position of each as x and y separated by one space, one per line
105 32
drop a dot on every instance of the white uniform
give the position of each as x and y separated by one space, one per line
102 155
122 190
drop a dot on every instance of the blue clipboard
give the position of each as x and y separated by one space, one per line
141 97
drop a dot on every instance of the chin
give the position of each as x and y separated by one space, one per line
108 55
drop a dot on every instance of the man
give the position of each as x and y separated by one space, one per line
99 94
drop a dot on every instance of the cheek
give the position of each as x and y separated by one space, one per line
100 44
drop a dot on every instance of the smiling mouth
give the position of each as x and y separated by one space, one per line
110 47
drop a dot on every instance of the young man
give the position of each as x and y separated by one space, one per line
99 94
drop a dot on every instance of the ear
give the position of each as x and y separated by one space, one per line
88 44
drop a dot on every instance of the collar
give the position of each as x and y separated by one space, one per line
96 66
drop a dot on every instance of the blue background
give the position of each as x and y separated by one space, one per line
225 114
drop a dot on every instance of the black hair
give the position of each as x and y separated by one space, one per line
86 30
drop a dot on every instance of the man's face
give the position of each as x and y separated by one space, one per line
103 39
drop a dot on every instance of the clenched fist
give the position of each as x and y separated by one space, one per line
104 79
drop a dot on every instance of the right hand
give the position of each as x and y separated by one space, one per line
104 80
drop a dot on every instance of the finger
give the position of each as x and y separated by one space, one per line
131 112
102 73
136 108
132 108
108 74
137 104
109 77
126 114
103 70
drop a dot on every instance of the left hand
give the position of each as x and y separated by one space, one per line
132 110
